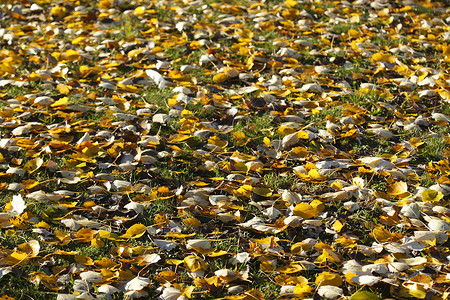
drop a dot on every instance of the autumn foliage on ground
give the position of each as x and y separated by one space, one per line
224 149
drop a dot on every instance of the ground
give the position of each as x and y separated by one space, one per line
228 149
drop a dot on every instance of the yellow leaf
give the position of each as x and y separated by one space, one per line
364 295
194 263
244 191
338 226
381 234
398 189
317 205
353 33
221 77
284 279
107 235
31 248
384 57
195 45
303 135
305 210
291 268
85 235
414 290
78 40
328 256
84 260
63 88
314 174
179 235
139 11
422 278
216 141
290 3
301 289
33 165
179 138
299 247
71 55
15 258
262 191
60 102
218 253
192 222
349 277
97 243
135 231
327 278
58 11
285 130
166 276
42 224
175 262
431 196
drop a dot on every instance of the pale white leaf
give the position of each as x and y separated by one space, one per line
170 293
198 243
366 280
157 78
107 289
4 271
165 245
438 225
137 283
330 291
92 277
151 258
289 140
17 205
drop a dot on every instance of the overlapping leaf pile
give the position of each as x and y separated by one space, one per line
245 150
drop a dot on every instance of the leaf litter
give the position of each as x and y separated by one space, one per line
235 150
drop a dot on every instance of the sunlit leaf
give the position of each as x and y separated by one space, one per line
135 231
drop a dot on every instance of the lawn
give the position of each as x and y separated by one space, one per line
224 149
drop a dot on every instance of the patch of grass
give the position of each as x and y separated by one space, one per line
158 97
13 91
362 222
419 9
264 282
311 188
158 206
433 148
426 180
367 101
198 110
17 287
257 128
130 28
279 181
367 146
319 119
445 109
340 28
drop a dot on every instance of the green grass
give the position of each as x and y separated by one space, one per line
340 28
183 166
279 181
433 148
130 29
158 98
419 9
319 119
258 127
18 287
